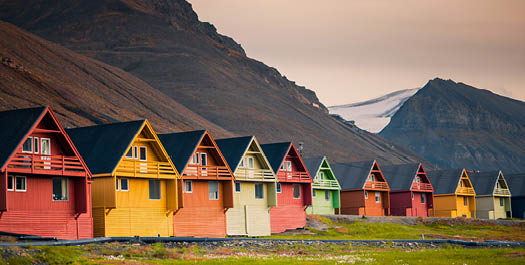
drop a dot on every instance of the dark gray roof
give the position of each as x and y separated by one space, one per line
233 149
352 175
181 146
516 183
445 181
400 177
275 153
102 146
16 124
484 182
313 164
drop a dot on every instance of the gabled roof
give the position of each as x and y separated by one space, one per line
181 146
16 125
103 146
516 183
276 153
353 175
313 164
484 182
234 149
400 177
445 181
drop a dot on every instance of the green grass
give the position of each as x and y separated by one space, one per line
367 230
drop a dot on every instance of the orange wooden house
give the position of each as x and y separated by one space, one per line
207 190
294 189
45 186
364 190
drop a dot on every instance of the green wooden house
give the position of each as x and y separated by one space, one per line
325 189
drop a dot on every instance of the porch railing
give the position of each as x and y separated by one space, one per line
465 190
46 164
135 168
422 186
379 185
255 174
293 176
206 172
325 183
500 191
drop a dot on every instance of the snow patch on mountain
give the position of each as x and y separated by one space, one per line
374 115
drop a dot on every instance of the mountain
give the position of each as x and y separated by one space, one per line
82 91
163 43
454 125
373 115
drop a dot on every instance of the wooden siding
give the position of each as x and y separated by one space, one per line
200 216
290 212
251 216
488 207
402 203
322 206
352 202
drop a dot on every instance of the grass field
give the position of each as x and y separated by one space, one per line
297 254
361 229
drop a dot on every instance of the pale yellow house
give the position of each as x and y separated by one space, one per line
492 195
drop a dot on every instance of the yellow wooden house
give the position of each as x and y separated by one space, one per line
454 195
134 181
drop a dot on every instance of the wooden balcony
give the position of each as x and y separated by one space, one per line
206 172
500 191
422 186
286 176
465 190
254 174
376 185
145 169
59 165
326 184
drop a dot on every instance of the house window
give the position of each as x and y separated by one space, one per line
45 145
27 147
242 163
366 194
321 175
60 189
237 187
423 197
213 190
418 180
20 183
461 183
143 153
129 154
124 184
314 193
204 159
278 187
327 195
283 167
250 162
36 145
465 201
188 186
259 191
296 191
288 165
116 184
378 197
10 185
135 152
500 201
154 189
412 195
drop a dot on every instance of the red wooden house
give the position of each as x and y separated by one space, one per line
207 190
411 193
44 184
364 190
294 189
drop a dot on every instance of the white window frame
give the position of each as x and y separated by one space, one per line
67 190
145 148
378 195
314 193
250 162
160 190
501 203
412 195
135 152
42 140
242 163
121 180
321 175
423 198
130 150
278 187
203 159
418 179
25 184
117 184
327 195
32 143
288 166
36 145
283 166
215 194
465 201
186 182
12 183
239 185
366 194
293 193
255 191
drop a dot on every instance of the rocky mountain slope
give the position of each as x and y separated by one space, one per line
456 125
163 43
373 115
82 91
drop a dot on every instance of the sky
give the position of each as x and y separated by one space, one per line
354 50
